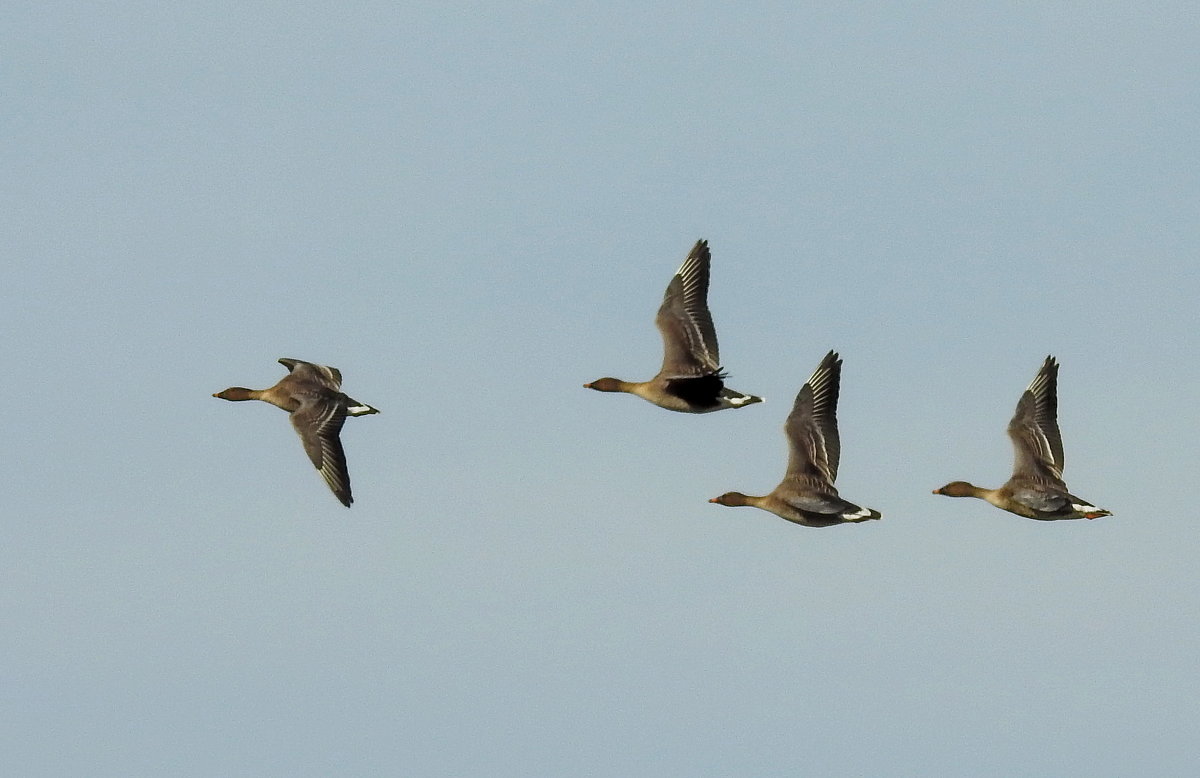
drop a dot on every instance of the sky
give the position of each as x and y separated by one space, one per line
473 209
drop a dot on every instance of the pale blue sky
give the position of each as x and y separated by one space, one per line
473 210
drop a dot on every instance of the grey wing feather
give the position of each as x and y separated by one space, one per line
1037 442
1044 388
689 337
328 376
1040 498
319 423
812 425
813 503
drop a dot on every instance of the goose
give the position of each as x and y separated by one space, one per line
806 495
313 396
1036 489
691 379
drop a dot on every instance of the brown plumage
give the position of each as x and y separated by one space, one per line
807 495
691 379
312 395
1036 489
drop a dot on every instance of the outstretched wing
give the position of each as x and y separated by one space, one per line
689 338
1037 442
811 427
319 423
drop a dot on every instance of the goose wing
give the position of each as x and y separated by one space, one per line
1037 442
319 422
309 371
689 338
811 427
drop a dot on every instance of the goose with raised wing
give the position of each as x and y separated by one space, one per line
691 379
1036 489
807 495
